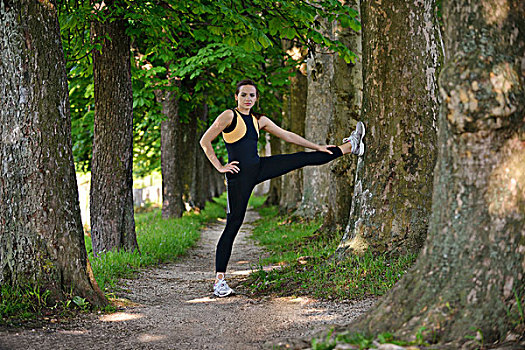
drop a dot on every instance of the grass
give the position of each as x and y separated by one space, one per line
306 255
364 342
160 241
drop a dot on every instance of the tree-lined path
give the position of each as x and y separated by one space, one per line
121 89
175 310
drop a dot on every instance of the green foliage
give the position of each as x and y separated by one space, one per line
207 46
520 308
16 302
361 341
305 255
82 303
515 313
20 305
256 202
39 297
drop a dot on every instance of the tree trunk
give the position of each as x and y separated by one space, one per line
189 128
200 185
172 205
274 193
392 196
111 196
41 235
473 262
294 113
319 112
347 89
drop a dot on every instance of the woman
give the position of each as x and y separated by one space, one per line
245 169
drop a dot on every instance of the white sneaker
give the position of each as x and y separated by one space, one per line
356 139
221 289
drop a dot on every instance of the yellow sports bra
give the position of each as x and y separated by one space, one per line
239 130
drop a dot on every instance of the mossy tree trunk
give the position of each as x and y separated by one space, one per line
172 205
41 235
347 90
473 263
392 194
111 194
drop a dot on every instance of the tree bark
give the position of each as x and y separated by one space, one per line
319 113
392 196
200 184
189 128
347 89
111 195
41 235
473 263
172 205
294 113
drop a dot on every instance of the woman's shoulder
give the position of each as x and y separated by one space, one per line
225 119
227 115
263 120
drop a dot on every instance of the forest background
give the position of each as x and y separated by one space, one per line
443 173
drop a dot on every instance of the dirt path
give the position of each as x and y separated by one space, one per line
175 310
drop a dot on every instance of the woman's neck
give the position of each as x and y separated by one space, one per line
244 110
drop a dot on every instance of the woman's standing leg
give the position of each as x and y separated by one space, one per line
239 190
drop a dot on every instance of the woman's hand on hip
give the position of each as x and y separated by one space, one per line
230 168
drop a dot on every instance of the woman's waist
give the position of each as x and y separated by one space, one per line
252 161
247 168
244 157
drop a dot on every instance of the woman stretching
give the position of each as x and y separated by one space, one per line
245 169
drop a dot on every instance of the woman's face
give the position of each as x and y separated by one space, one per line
246 97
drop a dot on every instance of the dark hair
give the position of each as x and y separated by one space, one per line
252 83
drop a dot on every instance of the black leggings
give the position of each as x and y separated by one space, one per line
240 188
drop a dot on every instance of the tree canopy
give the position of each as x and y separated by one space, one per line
207 45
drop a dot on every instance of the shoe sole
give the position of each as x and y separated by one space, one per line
361 144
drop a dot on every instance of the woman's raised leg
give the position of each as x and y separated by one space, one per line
281 164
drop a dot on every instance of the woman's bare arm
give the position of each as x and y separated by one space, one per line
221 123
266 124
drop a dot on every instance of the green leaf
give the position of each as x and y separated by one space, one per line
222 66
229 40
248 44
289 33
265 41
274 25
316 37
215 30
355 24
196 73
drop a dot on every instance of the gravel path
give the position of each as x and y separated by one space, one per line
174 309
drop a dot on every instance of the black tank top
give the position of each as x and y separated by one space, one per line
241 138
